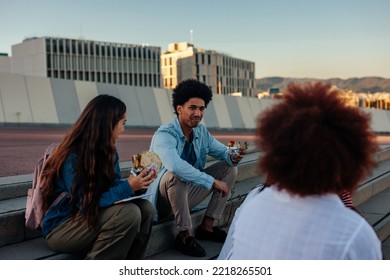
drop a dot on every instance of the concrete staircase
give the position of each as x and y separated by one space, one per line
19 243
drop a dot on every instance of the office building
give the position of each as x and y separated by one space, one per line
85 60
225 75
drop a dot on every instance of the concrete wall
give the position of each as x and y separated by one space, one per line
5 64
15 99
39 100
29 57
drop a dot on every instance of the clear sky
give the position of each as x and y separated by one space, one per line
288 38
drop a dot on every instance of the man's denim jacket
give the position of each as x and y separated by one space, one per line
168 143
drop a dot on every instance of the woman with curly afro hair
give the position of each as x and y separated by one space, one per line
314 148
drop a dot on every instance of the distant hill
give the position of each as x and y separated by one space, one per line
358 85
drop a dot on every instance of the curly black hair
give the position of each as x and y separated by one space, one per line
189 89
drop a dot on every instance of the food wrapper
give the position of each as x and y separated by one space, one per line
234 146
146 159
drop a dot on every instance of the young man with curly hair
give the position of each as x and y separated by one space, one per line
183 145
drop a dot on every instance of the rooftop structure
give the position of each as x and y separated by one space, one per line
225 75
85 60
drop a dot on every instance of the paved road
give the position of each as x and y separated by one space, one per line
21 147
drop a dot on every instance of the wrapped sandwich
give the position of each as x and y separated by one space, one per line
146 159
234 147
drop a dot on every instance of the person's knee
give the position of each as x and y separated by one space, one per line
147 208
173 184
171 179
129 216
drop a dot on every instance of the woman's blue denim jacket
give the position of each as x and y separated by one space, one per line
119 190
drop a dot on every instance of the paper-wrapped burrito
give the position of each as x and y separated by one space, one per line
146 159
234 146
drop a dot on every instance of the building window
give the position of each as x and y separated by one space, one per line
54 44
68 46
48 58
61 46
97 50
91 48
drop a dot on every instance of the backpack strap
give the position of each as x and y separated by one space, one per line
57 200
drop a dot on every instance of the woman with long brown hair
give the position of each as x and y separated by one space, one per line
86 166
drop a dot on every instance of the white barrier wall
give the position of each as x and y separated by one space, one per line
43 109
15 101
164 104
37 100
221 111
85 92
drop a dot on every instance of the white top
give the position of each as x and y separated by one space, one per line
275 225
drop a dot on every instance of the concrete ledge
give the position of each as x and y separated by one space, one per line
15 189
12 210
383 229
384 154
11 228
377 182
370 189
162 238
372 199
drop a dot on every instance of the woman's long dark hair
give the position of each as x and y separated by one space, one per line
91 140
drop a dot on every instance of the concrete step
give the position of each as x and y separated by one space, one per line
374 207
163 234
161 241
372 200
12 207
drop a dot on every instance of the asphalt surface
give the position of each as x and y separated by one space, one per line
21 147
